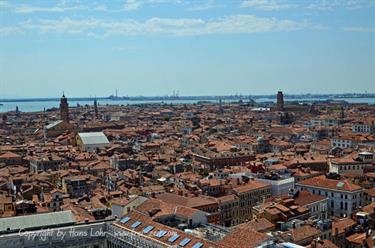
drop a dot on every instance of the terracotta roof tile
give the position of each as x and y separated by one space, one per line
323 182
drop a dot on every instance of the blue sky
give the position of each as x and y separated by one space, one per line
195 47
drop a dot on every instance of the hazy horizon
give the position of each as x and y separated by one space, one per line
210 47
286 94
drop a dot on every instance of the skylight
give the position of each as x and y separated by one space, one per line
197 245
135 224
184 242
161 233
124 220
173 238
148 229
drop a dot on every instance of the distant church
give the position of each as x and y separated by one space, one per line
281 107
64 109
280 101
61 126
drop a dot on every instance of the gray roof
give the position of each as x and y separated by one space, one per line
49 126
36 220
93 138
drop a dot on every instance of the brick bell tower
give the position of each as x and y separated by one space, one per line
280 101
64 109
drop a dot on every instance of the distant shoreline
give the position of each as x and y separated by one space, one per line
198 98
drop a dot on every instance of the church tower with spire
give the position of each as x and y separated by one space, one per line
64 109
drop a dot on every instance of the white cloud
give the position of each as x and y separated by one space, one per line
209 4
65 25
27 9
68 5
268 5
100 7
359 29
132 5
4 31
30 9
329 5
235 24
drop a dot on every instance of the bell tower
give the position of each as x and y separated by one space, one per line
96 108
64 109
280 101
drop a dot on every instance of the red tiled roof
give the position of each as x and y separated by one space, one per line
322 244
341 225
305 198
304 232
259 225
369 208
323 182
192 202
8 155
252 185
244 237
361 239
370 192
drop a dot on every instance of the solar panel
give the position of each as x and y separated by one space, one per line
197 245
184 242
161 233
124 220
148 229
135 224
173 238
